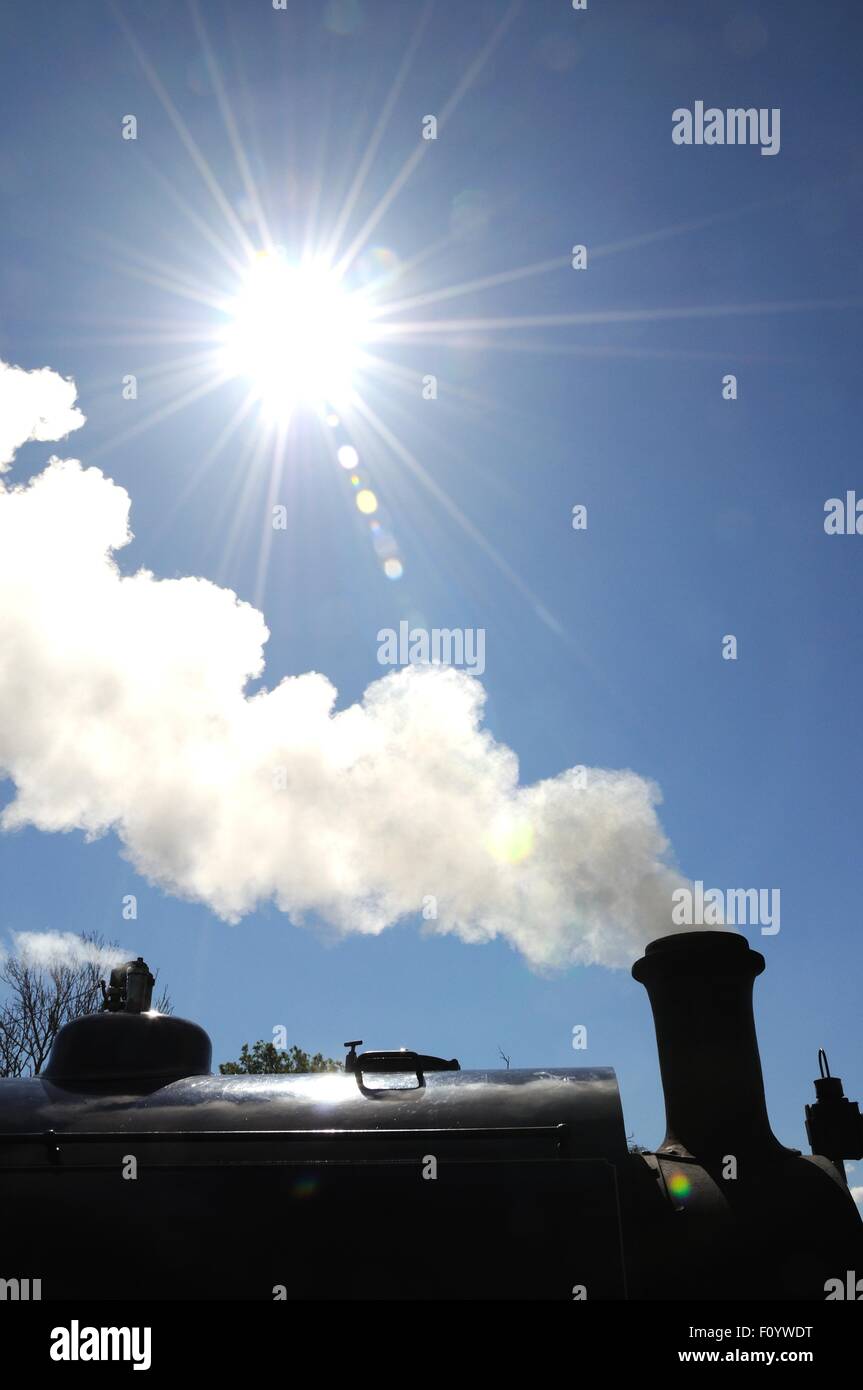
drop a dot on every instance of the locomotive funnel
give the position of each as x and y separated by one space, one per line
700 989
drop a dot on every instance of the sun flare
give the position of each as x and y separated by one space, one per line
295 334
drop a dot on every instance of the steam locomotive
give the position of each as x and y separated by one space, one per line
129 1171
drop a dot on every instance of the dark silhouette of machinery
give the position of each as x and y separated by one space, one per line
127 1170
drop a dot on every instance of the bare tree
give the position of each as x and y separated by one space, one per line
42 998
503 1056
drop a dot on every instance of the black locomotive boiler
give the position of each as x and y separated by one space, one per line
129 1171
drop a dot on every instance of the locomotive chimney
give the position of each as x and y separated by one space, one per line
700 989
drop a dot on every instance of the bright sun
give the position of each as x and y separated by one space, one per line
295 334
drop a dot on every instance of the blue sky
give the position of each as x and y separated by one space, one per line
705 516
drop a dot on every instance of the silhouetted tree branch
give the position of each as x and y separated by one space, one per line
41 999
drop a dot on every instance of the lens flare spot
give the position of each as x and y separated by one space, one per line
510 841
378 266
385 258
679 1185
348 457
343 16
367 502
304 1187
384 542
393 569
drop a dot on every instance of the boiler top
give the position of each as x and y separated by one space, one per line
575 1113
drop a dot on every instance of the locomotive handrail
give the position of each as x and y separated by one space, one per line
546 1141
396 1063
80 1136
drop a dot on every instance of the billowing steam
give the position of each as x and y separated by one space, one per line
49 950
123 707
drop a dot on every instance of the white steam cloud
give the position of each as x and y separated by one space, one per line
53 949
34 405
123 707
